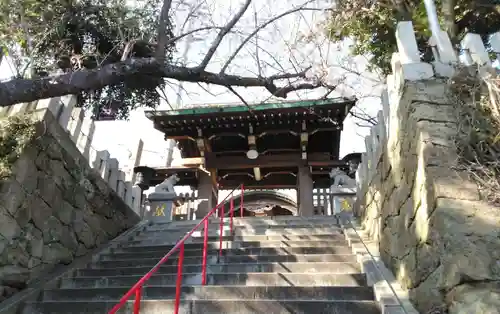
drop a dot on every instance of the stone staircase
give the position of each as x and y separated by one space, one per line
272 265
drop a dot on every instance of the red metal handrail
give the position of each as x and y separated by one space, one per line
137 287
241 200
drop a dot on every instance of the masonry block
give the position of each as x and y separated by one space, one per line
54 208
416 203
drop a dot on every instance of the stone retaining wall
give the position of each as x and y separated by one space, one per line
435 234
54 208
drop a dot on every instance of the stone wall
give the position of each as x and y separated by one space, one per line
81 130
53 208
436 235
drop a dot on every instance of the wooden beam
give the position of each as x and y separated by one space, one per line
276 181
242 129
180 137
255 185
326 172
231 184
270 161
189 162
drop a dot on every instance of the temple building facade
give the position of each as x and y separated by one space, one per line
266 146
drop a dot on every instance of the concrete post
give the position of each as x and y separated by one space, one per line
113 172
69 103
305 192
207 194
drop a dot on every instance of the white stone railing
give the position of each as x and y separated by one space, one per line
81 131
407 66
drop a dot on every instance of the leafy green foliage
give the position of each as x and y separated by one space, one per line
69 35
16 132
372 25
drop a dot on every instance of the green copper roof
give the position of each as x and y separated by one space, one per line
231 108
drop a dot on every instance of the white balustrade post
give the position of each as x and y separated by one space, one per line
100 163
90 139
68 104
473 44
136 199
75 123
406 63
85 136
121 184
54 105
381 131
369 154
112 173
127 193
365 168
495 42
407 43
386 110
18 109
444 53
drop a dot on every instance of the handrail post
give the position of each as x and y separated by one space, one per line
205 251
231 214
137 302
178 284
241 200
221 228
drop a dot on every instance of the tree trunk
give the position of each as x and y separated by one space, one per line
402 11
448 10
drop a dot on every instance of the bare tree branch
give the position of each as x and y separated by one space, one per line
257 59
286 76
163 24
231 58
280 84
363 116
127 50
176 38
165 98
241 98
192 13
223 32
26 90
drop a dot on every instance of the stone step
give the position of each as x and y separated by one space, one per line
213 238
288 226
281 219
301 230
222 279
226 226
286 237
237 232
294 267
272 222
234 244
215 235
259 220
276 232
238 219
183 228
209 307
158 254
216 293
150 262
